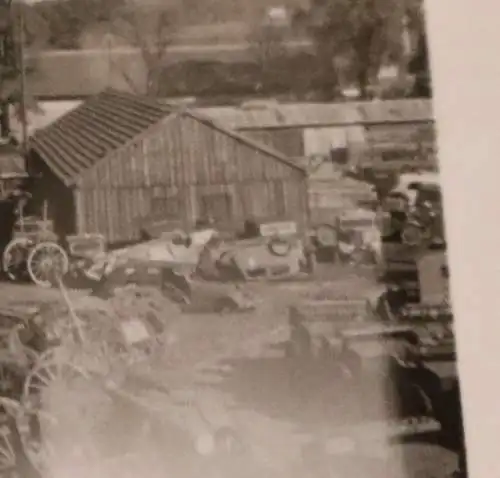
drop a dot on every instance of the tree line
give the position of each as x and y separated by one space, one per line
351 42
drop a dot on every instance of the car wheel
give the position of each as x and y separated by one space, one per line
279 247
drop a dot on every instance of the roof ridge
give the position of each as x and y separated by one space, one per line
136 99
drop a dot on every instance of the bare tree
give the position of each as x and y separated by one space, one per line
151 30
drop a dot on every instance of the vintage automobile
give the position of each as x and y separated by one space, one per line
156 264
384 175
417 201
172 263
276 252
412 233
408 184
353 237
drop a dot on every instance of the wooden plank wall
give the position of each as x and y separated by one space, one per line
185 158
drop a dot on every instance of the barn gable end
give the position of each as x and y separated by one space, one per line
185 162
177 167
185 150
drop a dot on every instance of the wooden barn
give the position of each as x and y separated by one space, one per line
118 161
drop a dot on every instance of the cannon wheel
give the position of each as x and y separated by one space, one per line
31 419
46 262
14 257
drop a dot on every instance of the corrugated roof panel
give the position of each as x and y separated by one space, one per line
310 114
320 114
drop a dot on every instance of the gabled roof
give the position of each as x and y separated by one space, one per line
80 138
77 140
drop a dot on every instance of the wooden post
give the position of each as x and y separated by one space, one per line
22 68
45 212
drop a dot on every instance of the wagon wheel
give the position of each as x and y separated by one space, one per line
46 262
31 419
8 452
21 356
14 258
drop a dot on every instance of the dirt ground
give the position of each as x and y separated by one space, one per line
240 377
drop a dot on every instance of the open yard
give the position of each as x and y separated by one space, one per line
234 370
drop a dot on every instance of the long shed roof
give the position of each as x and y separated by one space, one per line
302 115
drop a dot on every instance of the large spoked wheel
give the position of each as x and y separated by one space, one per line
36 419
8 452
15 257
46 263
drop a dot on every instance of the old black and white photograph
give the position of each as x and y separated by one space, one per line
222 243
